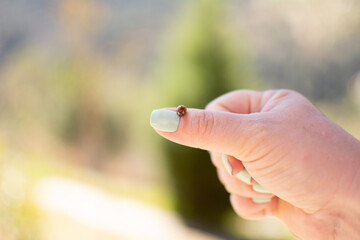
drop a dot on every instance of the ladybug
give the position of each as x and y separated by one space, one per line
181 110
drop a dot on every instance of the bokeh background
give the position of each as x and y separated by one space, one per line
79 79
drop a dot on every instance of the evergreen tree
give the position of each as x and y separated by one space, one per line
200 64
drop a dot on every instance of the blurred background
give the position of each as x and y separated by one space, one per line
79 79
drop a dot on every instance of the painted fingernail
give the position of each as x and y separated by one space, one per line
261 200
226 163
164 120
244 176
258 188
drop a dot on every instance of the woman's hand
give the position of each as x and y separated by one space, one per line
310 165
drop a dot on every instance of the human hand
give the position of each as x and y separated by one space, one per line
309 164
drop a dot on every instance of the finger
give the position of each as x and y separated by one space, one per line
235 168
216 159
247 208
243 101
295 219
210 130
232 164
229 163
237 187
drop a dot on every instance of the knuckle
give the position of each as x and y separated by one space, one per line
220 176
205 124
281 91
229 189
202 125
242 213
216 162
210 105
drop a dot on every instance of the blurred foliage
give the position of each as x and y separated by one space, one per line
65 98
201 58
200 63
86 120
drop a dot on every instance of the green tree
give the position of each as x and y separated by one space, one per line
200 62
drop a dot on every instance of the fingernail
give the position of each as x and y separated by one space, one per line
164 120
226 163
261 200
244 176
258 188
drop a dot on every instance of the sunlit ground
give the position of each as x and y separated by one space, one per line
47 200
86 212
64 207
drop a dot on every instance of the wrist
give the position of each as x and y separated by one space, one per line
340 218
347 225
341 223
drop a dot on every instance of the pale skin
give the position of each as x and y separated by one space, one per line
310 165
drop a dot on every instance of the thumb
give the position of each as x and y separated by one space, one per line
210 130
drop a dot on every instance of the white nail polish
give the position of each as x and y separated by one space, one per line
261 200
226 163
244 176
164 120
260 189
